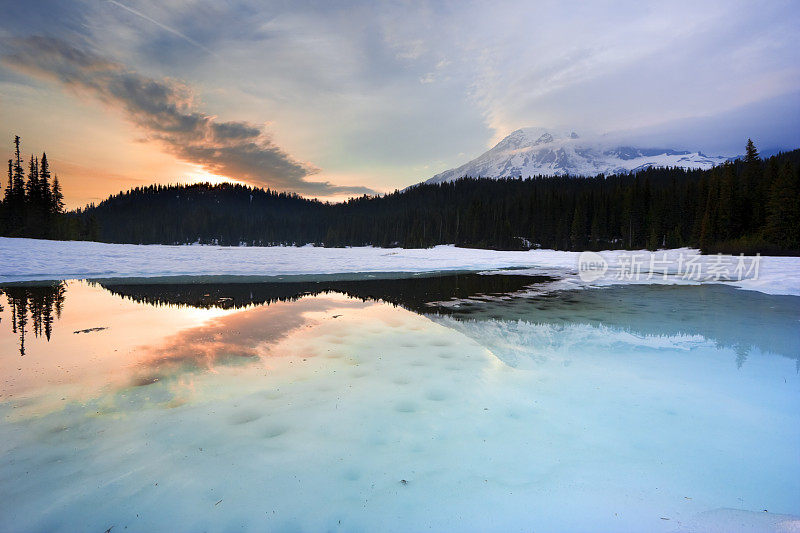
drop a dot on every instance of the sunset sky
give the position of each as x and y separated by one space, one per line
339 99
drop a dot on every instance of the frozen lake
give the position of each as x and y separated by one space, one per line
349 405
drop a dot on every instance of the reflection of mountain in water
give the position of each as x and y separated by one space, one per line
417 293
40 304
732 318
736 319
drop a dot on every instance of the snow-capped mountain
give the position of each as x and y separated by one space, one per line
536 151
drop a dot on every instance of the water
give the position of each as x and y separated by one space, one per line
446 403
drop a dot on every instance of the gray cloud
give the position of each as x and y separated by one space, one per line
166 111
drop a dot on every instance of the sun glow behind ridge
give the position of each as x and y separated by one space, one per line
198 174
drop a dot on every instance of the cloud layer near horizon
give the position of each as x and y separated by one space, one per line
166 111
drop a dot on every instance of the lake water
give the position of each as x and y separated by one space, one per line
447 403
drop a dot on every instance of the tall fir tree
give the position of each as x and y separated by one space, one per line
32 207
15 203
9 191
32 189
19 173
44 180
35 210
751 153
56 198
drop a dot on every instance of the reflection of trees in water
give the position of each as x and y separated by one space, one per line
735 319
415 293
742 351
34 307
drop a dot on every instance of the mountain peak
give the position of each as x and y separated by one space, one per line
541 152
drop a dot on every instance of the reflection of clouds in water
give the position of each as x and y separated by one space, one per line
233 339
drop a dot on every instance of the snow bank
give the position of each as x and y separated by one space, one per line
30 259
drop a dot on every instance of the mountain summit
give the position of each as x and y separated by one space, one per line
537 151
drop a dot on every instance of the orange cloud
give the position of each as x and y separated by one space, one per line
166 111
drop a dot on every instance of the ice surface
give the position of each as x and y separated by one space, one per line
335 414
29 259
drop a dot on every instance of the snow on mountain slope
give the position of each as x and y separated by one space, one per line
536 151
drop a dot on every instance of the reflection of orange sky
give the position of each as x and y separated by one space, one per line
142 343
243 336
86 360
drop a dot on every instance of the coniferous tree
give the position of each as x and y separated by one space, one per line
35 211
44 181
652 208
32 207
748 182
578 231
9 191
716 209
783 219
56 198
15 201
751 153
18 173
32 190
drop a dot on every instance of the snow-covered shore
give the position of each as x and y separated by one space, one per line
30 259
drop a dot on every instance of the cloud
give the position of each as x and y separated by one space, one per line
166 111
430 77
162 26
